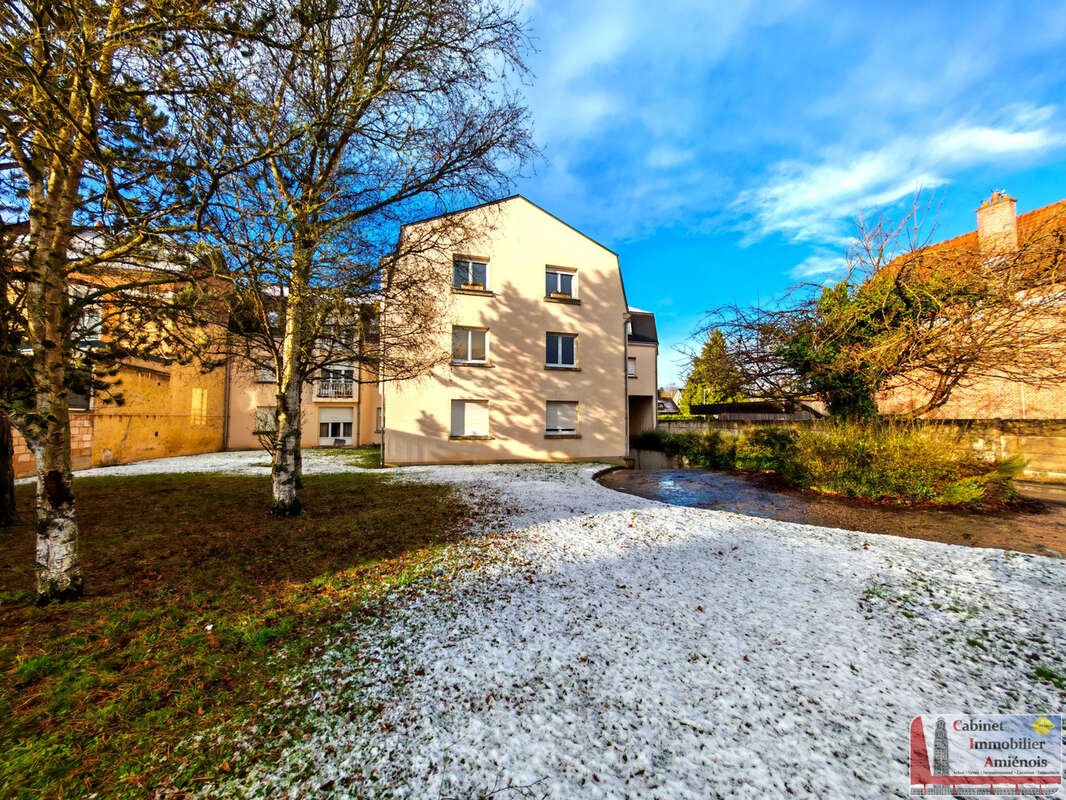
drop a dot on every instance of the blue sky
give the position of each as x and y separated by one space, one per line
723 149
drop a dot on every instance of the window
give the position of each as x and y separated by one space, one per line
629 327
335 424
561 418
561 350
265 420
381 420
337 383
470 417
468 274
266 375
631 367
559 282
470 345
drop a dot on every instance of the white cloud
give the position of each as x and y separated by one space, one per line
820 264
812 201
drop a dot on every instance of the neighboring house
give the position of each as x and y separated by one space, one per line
998 226
666 404
536 326
642 370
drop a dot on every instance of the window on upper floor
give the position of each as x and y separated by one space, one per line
559 282
560 418
470 345
470 417
560 350
470 274
631 367
266 375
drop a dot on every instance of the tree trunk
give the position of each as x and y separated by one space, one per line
58 562
299 454
287 465
285 471
7 472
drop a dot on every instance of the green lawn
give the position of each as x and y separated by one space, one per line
198 603
368 456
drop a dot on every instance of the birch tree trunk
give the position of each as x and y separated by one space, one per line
285 474
58 564
7 472
285 471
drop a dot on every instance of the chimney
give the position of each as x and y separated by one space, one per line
997 223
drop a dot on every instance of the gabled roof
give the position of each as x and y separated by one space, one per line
504 200
1030 223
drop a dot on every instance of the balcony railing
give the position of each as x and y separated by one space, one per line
335 389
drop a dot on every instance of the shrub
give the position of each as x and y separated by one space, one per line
650 440
906 462
879 460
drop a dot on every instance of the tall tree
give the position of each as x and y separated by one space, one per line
377 111
712 377
100 103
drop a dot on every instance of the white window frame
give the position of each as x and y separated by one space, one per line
469 262
558 363
333 433
631 366
467 433
557 271
470 345
549 432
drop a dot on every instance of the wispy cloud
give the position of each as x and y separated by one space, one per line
812 201
822 263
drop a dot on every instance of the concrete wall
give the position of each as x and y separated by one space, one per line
167 411
522 240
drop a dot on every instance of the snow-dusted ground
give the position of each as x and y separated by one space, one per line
237 462
612 646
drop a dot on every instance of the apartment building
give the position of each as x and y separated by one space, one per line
538 330
547 363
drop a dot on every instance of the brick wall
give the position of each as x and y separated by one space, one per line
81 447
987 399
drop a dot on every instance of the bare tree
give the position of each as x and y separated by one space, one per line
909 314
100 103
376 112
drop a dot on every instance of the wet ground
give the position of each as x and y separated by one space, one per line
1038 526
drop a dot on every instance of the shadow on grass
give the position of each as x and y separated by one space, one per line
196 602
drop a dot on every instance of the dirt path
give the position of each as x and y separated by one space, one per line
1039 529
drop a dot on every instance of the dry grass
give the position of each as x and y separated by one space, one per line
197 604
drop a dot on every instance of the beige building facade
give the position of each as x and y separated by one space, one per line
535 323
338 410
